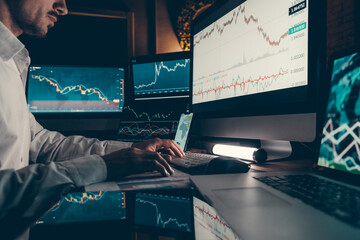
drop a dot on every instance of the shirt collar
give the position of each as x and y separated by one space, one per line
10 44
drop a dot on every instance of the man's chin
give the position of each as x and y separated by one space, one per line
38 32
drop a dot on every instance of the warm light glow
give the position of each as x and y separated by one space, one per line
234 151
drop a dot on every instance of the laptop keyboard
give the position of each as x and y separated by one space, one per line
192 160
334 199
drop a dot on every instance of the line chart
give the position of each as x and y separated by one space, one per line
147 116
146 130
163 77
167 212
248 43
76 88
159 67
239 86
220 27
79 199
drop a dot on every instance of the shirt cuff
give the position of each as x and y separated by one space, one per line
86 170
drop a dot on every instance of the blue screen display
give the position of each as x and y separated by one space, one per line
87 207
164 78
53 89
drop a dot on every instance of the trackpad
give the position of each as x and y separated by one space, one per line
248 197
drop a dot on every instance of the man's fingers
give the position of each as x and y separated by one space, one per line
177 150
163 162
160 168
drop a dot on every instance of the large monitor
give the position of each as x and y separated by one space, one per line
71 89
161 76
256 69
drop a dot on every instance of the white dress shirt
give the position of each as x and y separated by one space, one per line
37 166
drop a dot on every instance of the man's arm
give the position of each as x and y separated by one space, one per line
26 194
49 146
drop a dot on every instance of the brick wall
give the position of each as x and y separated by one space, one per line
343 24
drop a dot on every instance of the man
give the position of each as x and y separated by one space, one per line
38 166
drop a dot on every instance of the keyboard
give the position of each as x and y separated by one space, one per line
334 199
193 160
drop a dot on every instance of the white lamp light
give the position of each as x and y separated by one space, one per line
258 155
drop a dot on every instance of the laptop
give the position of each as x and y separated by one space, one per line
191 160
274 205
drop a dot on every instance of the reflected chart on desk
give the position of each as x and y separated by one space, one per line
163 211
75 89
252 50
87 207
208 224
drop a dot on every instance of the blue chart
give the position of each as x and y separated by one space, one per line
75 89
141 130
86 207
167 212
340 145
165 77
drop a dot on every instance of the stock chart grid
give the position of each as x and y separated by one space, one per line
163 211
75 89
87 207
163 78
226 65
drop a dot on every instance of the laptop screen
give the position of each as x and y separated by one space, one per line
340 141
183 130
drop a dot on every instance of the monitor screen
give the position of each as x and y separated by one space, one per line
161 76
259 60
163 211
339 144
65 89
87 207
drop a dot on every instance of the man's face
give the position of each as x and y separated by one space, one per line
36 17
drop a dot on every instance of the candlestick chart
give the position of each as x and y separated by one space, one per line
69 89
162 211
340 143
251 50
87 207
165 77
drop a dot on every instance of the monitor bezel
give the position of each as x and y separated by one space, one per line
79 114
316 51
158 58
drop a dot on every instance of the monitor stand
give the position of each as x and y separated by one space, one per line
276 149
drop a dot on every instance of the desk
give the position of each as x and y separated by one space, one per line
125 230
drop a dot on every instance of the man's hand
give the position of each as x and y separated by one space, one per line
157 144
133 160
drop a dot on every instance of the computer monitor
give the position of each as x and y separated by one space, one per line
256 69
161 76
72 89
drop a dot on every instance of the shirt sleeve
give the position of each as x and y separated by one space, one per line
49 146
27 193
